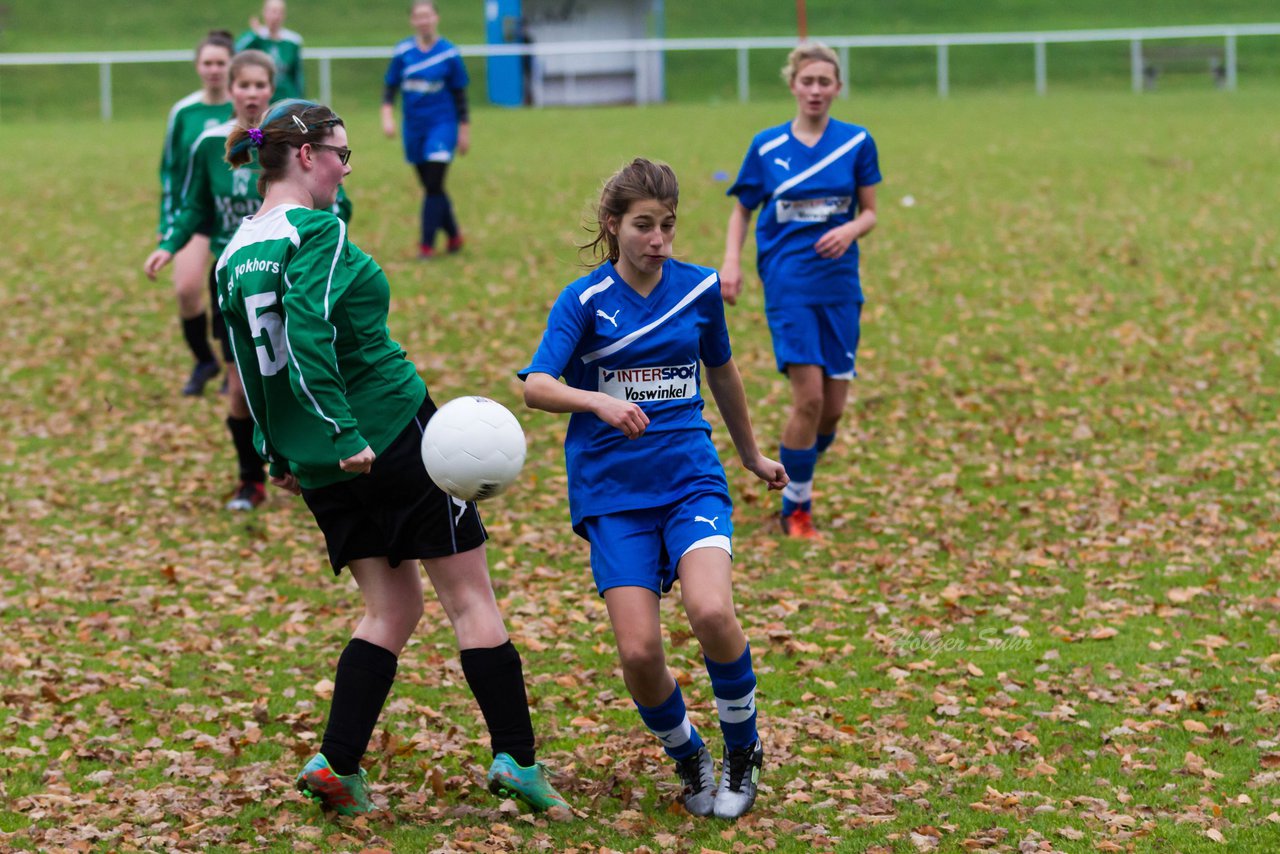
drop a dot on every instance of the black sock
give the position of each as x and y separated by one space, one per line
196 331
365 674
242 437
497 680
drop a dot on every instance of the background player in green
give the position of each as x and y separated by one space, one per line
284 46
340 412
212 193
207 107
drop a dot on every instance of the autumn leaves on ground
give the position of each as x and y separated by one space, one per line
1045 616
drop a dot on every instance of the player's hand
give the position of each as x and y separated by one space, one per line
770 471
835 242
255 23
730 283
289 483
627 417
464 138
360 463
155 262
389 127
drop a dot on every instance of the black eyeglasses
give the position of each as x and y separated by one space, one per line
344 153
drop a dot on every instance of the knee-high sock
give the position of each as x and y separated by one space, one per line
799 463
669 721
734 684
251 466
433 211
496 678
825 441
360 687
448 222
196 332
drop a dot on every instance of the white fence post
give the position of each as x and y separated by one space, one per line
744 76
844 69
1135 64
944 71
1042 75
1230 60
104 90
326 81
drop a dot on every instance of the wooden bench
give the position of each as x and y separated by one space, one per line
1161 58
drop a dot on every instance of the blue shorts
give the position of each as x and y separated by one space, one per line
642 548
430 143
825 335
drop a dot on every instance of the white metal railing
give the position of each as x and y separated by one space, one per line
942 43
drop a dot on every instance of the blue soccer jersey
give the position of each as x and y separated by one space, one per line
603 336
804 192
427 80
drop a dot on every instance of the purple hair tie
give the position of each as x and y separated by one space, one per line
256 136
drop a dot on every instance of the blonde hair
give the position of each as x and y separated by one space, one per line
640 180
808 52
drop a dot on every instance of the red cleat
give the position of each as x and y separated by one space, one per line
799 525
455 244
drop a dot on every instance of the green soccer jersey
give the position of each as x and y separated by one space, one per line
306 311
285 52
189 118
216 197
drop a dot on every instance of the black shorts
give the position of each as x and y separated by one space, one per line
218 324
395 511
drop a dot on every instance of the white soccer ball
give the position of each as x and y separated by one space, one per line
473 448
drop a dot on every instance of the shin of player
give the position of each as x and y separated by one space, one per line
813 179
633 340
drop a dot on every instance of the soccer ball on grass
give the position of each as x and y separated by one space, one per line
473 448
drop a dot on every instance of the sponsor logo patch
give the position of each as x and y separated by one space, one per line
638 385
812 210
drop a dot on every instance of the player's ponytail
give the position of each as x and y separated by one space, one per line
640 180
288 125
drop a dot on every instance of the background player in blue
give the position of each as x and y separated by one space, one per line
646 487
432 80
814 180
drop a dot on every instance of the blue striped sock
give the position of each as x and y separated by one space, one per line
734 685
797 495
669 721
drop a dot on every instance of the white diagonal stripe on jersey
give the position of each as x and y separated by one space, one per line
821 164
737 711
630 338
328 285
223 130
595 289
302 380
673 738
772 144
427 63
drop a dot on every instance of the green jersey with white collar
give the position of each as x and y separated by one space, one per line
285 51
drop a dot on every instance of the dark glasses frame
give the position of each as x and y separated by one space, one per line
343 152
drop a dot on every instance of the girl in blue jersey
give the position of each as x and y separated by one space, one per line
429 74
814 180
646 487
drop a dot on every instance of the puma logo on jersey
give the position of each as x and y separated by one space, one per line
613 320
785 164
711 521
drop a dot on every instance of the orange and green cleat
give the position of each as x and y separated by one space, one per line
347 795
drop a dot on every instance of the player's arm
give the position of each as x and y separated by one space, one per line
545 392
390 86
196 208
320 278
834 243
731 398
735 239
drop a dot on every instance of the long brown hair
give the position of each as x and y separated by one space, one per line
287 125
640 180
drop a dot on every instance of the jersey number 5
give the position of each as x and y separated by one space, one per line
268 333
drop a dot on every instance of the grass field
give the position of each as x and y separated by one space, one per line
1046 616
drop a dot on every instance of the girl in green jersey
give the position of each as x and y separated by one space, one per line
284 46
205 108
340 411
220 197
